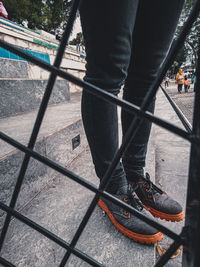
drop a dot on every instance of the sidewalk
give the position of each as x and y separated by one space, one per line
61 205
172 163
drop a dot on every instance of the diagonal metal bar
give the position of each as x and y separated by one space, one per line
135 125
6 263
88 185
164 259
171 250
191 255
80 229
176 46
129 107
49 235
40 116
179 113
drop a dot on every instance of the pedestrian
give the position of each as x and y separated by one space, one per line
78 42
194 80
180 80
186 84
126 43
166 81
82 46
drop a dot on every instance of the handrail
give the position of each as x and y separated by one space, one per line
180 114
192 135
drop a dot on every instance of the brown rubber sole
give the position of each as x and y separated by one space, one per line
144 239
164 216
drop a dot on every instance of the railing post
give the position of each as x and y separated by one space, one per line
191 253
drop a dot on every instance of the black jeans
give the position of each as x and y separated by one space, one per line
126 42
180 86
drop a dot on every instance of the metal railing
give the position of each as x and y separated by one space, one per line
179 113
190 234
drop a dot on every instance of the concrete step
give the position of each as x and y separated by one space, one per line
19 96
11 68
61 124
60 206
62 203
172 167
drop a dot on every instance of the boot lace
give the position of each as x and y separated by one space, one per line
132 200
152 188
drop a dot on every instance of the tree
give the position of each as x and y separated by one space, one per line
47 15
57 13
191 45
180 59
73 42
20 10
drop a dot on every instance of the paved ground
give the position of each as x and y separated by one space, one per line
56 117
185 101
172 163
61 205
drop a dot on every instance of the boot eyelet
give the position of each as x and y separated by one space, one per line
127 214
125 199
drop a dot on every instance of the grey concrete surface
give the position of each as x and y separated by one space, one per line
57 147
60 208
61 205
185 101
60 125
172 163
56 117
13 68
19 96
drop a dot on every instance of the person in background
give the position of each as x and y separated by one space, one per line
126 43
3 12
82 46
194 80
180 80
186 84
166 81
78 42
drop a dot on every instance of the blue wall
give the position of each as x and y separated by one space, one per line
7 54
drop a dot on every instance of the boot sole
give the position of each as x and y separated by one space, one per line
144 239
164 216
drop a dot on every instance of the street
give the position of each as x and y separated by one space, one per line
185 101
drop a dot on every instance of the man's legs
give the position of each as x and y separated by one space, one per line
152 37
186 88
180 88
107 29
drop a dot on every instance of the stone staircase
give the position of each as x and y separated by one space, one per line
53 200
19 103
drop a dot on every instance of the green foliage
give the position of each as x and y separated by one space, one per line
73 42
180 59
191 45
57 13
20 10
45 15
